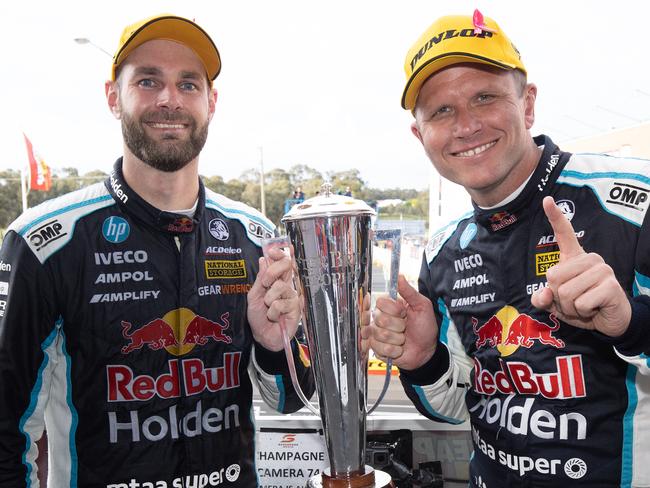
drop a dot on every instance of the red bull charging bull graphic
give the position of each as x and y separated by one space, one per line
178 331
507 330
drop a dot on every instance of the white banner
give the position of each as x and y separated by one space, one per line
288 459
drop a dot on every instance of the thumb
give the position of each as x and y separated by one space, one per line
407 292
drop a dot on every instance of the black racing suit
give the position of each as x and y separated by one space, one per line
124 333
550 404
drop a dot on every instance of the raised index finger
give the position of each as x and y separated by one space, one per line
563 230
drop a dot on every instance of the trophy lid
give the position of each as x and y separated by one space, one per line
328 204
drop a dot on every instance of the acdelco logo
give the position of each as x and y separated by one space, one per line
45 234
628 196
443 36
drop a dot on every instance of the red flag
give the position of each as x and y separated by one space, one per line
40 177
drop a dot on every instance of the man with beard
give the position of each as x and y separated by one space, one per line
133 311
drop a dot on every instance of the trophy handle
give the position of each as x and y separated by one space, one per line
285 244
394 236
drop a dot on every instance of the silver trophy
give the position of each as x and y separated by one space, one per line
332 240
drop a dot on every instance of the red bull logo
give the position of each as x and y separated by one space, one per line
200 330
181 225
507 330
499 220
567 381
178 331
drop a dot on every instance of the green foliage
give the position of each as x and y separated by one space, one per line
279 186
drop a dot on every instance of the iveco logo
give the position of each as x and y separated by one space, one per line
45 234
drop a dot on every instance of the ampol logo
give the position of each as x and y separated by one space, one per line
178 331
508 329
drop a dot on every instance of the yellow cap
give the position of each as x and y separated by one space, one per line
172 28
456 39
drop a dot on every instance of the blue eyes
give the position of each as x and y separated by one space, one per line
184 86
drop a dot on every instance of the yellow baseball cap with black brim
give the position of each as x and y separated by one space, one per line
457 39
172 28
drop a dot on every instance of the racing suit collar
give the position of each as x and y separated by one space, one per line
548 169
137 207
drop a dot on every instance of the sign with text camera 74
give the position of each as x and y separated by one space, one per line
288 459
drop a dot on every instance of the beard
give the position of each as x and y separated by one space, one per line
171 154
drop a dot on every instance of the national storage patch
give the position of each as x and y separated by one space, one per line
225 269
544 260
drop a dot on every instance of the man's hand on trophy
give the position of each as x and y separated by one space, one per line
405 329
366 331
273 299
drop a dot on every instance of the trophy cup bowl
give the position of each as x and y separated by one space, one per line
332 240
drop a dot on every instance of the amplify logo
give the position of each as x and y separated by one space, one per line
508 329
178 331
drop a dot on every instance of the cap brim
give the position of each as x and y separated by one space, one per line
415 82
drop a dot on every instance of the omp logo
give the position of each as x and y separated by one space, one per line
115 229
46 234
545 260
258 230
225 269
629 196
4 288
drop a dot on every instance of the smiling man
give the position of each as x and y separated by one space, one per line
133 310
532 318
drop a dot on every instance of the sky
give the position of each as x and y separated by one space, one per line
314 83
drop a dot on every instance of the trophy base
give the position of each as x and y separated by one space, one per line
373 478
